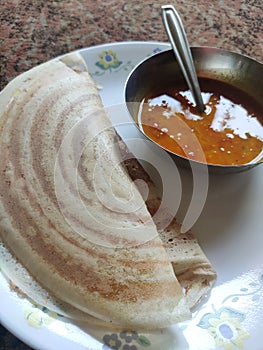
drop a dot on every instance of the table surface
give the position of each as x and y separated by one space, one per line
33 31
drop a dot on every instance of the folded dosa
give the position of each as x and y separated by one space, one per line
70 212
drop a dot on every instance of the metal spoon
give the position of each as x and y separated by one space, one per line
178 40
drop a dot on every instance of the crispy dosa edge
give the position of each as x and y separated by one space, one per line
191 266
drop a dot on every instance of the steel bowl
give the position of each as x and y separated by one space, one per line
162 69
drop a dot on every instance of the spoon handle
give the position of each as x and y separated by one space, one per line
178 40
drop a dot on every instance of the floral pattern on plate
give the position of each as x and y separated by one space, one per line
109 62
224 325
125 341
39 316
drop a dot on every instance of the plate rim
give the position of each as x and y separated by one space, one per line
26 333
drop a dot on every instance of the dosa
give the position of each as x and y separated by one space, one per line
70 212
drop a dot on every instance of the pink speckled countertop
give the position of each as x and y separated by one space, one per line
33 31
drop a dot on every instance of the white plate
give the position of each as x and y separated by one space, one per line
229 229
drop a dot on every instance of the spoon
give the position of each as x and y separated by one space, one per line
180 46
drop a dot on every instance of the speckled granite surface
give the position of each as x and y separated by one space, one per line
33 31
